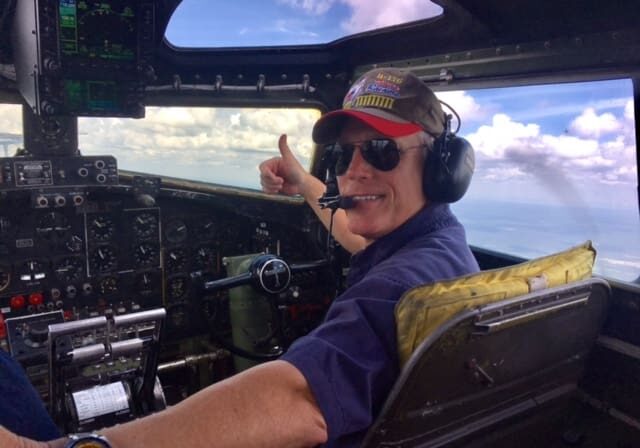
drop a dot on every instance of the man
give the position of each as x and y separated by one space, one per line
331 384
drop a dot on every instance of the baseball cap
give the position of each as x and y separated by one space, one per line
394 102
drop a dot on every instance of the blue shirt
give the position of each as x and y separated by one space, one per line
21 409
350 361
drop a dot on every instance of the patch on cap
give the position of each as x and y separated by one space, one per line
392 101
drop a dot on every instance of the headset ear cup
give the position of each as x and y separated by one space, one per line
448 169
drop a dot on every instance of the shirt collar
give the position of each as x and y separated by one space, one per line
430 218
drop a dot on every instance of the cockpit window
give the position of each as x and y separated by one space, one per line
555 165
11 126
242 23
222 145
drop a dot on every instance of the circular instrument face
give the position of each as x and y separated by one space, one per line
145 255
74 243
205 258
53 225
145 225
145 283
70 269
108 285
177 287
5 277
101 228
103 259
176 260
176 231
206 230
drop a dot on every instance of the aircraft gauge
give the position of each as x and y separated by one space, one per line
53 225
176 259
70 269
5 277
103 259
176 231
101 228
145 225
145 254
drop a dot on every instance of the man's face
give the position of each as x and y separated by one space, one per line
383 199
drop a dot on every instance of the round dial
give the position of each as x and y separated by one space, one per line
145 254
108 285
176 231
53 225
176 259
70 269
103 259
145 225
177 287
206 230
178 317
205 258
145 283
74 243
5 277
101 228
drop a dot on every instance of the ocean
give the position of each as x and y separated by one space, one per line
534 230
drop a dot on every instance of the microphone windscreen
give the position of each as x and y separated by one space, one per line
346 203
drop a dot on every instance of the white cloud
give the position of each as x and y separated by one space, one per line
502 135
463 103
628 111
507 149
567 146
590 124
371 14
316 7
200 143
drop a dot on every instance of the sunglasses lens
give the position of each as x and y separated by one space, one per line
344 156
382 154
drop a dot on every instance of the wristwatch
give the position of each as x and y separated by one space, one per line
87 440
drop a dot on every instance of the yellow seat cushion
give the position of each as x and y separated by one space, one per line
423 309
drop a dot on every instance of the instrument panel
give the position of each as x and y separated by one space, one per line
113 255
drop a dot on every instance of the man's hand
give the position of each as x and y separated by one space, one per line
11 440
283 174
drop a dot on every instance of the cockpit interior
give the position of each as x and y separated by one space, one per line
123 292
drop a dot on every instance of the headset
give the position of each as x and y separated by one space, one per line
447 172
449 165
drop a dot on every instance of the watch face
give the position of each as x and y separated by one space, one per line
89 441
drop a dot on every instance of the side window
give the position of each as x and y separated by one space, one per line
11 125
222 146
555 166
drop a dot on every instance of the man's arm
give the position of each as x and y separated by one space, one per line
285 175
269 405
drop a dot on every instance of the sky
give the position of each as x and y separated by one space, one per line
202 23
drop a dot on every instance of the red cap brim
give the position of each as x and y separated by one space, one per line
328 127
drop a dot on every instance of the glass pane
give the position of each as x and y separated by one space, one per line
222 146
240 23
555 165
11 126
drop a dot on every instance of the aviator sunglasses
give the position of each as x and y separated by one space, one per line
382 154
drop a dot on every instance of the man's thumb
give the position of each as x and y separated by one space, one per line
284 147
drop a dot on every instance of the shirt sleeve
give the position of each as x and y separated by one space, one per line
350 361
21 409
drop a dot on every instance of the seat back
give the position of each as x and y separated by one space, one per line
490 364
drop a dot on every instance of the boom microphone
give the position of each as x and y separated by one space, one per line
336 201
